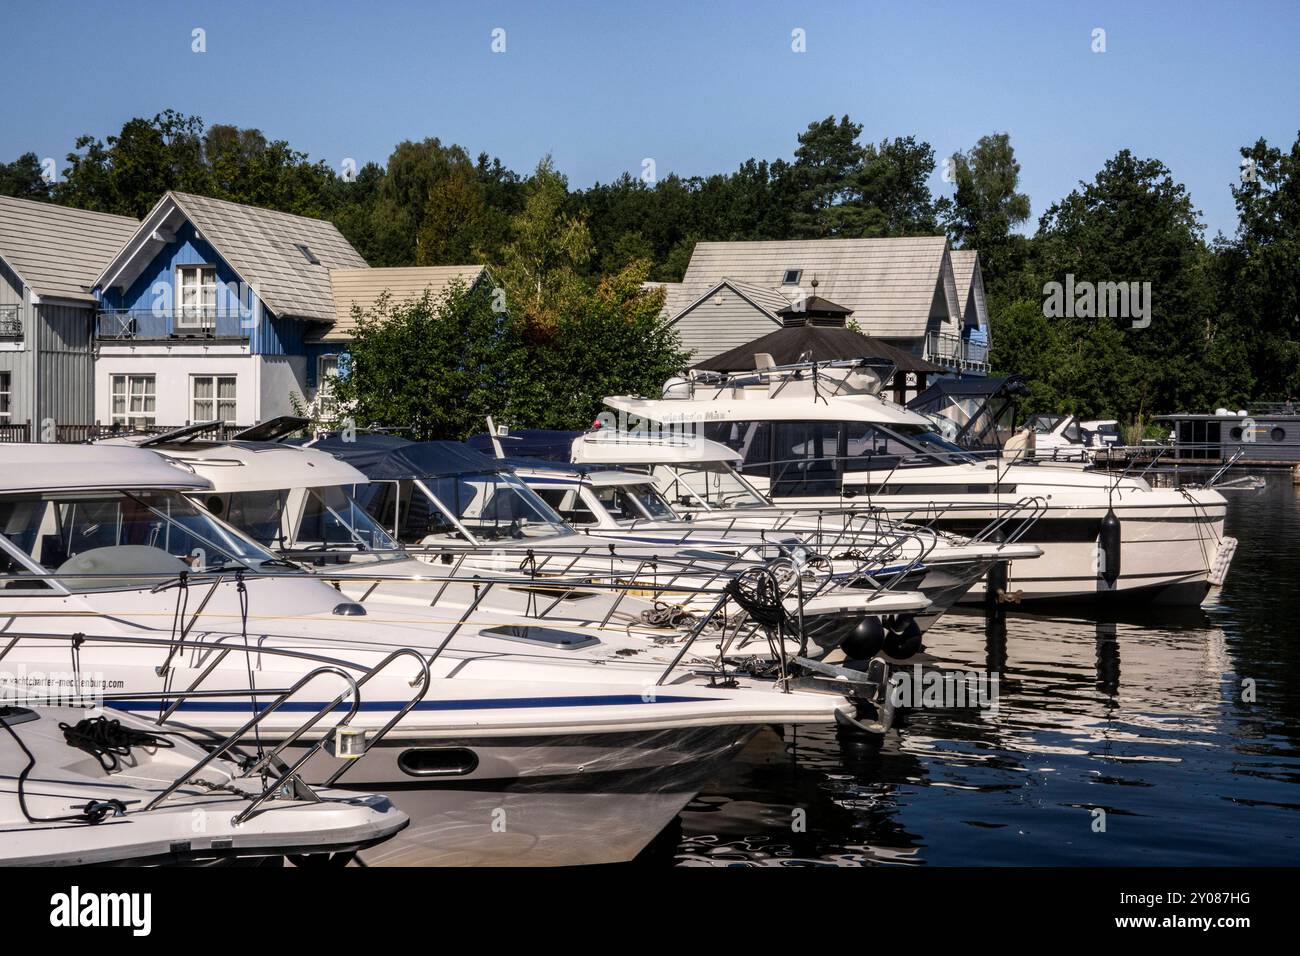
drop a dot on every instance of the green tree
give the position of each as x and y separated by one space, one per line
824 179
24 179
1258 272
437 366
612 341
987 206
543 264
892 189
1133 223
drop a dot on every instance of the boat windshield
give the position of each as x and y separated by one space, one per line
814 454
104 540
318 521
707 485
651 503
635 503
491 506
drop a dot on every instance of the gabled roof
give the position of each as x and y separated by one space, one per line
362 287
674 297
768 301
261 245
970 284
890 284
56 250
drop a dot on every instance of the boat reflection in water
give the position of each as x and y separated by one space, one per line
1120 742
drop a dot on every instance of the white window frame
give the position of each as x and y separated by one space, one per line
144 417
6 397
216 401
196 296
327 370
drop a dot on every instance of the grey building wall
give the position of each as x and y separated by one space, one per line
712 327
65 373
59 383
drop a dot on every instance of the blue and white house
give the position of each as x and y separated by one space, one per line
214 310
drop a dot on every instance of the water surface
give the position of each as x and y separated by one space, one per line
1144 718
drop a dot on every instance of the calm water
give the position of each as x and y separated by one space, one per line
1142 718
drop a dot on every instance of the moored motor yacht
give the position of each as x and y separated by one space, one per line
503 742
610 501
93 786
297 500
809 440
451 503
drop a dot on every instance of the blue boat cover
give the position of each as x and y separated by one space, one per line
540 443
387 458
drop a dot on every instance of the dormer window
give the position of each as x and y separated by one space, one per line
307 253
792 277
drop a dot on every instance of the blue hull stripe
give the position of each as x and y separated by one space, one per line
504 703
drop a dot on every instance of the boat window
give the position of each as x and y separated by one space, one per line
333 518
805 459
542 636
1044 424
1072 433
618 502
494 506
568 504
259 514
868 448
751 440
106 540
651 503
16 576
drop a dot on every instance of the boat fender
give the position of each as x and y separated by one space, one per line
1108 549
903 643
865 640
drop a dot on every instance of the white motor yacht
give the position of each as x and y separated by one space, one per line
504 742
809 439
298 501
95 786
608 501
451 503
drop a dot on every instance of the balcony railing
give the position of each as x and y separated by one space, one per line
26 431
148 325
957 353
11 326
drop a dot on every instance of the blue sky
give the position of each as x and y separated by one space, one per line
698 87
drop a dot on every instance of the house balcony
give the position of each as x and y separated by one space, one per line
11 326
957 353
172 325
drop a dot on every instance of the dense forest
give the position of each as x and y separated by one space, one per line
1225 311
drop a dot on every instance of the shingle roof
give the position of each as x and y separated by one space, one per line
963 271
361 287
674 297
56 250
262 246
888 283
